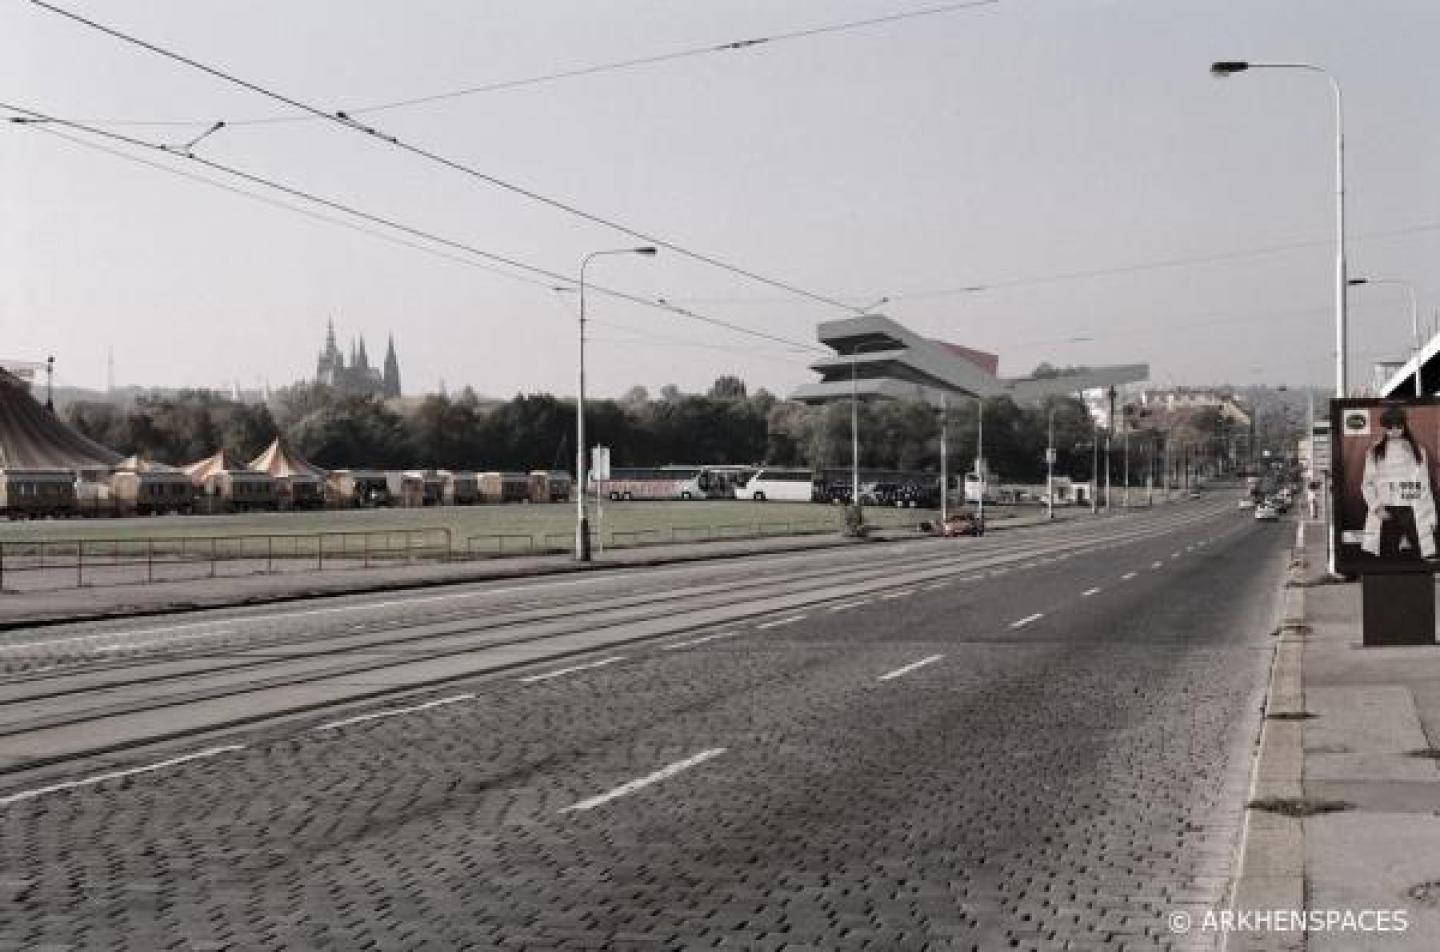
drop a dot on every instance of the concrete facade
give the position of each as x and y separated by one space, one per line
889 361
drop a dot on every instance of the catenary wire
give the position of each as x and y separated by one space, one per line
582 71
29 116
344 120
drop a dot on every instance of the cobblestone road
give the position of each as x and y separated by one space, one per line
1070 767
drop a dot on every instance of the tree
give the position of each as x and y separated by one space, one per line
727 387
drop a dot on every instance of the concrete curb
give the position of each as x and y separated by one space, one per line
1272 859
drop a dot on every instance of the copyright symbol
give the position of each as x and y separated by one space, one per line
1178 921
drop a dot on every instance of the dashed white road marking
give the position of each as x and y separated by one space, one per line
1157 565
1027 620
1127 576
971 578
395 712
783 621
1028 565
934 586
843 606
571 670
656 777
899 672
1174 555
116 775
1089 591
900 594
699 641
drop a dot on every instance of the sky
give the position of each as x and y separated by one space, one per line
1047 180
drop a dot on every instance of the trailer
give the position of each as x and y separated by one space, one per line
37 493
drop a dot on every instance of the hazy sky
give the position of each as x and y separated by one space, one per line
1006 147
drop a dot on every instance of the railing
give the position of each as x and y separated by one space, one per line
494 545
76 563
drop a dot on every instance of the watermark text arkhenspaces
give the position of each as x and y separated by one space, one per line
1289 920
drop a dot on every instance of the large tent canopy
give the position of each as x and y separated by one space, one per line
32 438
280 460
221 462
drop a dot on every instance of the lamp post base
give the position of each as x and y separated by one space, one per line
582 540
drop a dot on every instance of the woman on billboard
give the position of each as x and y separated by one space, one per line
1400 519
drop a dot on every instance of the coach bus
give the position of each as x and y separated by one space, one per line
782 485
658 482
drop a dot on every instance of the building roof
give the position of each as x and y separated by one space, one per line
876 357
31 437
280 459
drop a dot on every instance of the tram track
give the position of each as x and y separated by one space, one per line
577 626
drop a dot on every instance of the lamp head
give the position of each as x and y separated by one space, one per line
1354 281
1225 68
645 250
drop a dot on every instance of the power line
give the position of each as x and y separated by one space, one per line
1159 264
29 117
731 46
344 120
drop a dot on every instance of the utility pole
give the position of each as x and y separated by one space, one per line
944 472
1050 466
50 384
1109 433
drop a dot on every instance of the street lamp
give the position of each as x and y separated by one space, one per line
1229 68
1414 320
582 521
855 412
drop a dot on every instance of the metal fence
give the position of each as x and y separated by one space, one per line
41 565
494 545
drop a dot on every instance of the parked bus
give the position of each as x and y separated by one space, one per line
657 482
782 485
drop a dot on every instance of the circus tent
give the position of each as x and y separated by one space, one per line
33 438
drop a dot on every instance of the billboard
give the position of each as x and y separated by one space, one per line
1384 457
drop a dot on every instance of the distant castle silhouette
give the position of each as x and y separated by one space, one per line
357 378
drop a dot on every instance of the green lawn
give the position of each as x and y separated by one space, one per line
480 528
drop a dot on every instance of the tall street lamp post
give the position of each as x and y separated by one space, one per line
855 414
1414 320
582 521
1050 464
1231 67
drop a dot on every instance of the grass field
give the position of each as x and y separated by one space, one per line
478 528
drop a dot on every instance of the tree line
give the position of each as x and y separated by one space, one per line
726 425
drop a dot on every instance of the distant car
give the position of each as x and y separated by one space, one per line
960 524
1247 503
1266 513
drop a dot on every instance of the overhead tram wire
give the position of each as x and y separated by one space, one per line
28 117
581 71
296 209
345 121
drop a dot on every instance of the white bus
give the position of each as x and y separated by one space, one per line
782 485
656 482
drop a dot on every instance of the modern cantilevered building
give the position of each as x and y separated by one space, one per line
876 358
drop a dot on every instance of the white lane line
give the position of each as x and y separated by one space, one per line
847 605
394 712
934 586
698 641
656 777
971 578
116 775
898 672
783 621
1174 555
1127 576
1189 548
1027 620
1157 565
1028 565
563 671
900 594
1089 591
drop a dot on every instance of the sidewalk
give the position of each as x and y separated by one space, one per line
19 609
1361 760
